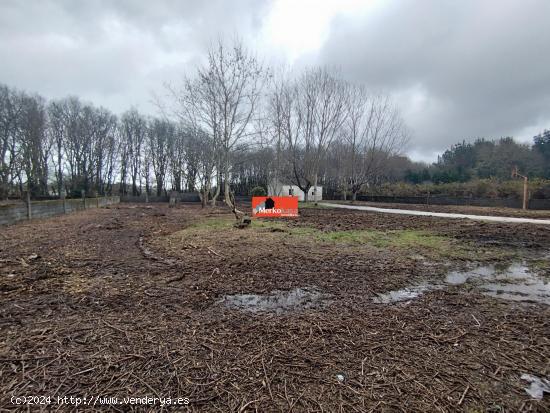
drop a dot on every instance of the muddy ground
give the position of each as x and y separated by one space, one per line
143 300
459 209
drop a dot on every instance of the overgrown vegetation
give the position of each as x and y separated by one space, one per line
258 191
485 159
484 188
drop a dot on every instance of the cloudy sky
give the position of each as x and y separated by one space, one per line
458 69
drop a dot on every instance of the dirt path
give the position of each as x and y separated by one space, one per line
514 220
134 301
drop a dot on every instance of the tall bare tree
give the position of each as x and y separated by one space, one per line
200 156
373 132
223 99
309 113
134 127
282 125
10 115
35 145
161 134
58 132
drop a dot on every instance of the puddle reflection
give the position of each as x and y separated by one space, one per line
277 301
510 282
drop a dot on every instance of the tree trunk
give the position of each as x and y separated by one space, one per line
306 193
229 200
315 189
4 189
204 192
204 197
227 194
59 174
242 219
160 186
218 189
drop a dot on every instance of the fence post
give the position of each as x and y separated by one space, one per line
29 208
64 203
83 193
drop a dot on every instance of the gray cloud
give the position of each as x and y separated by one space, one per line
113 53
459 70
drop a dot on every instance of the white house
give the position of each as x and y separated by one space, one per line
280 189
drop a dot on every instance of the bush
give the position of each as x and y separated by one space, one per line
258 191
481 188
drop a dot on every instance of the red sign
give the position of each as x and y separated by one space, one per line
274 206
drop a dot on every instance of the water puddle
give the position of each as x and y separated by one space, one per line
461 277
536 291
404 294
514 282
277 301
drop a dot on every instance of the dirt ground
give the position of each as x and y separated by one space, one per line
143 300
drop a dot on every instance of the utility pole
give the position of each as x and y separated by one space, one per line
516 174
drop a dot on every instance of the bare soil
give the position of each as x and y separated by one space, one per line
460 209
129 301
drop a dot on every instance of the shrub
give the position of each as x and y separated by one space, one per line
258 191
482 188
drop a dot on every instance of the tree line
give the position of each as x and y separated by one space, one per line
67 146
232 125
484 159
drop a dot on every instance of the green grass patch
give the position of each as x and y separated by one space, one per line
380 239
540 265
408 240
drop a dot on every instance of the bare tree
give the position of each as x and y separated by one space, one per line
309 113
281 129
178 158
373 132
35 146
75 145
200 155
133 126
57 130
161 135
10 115
223 100
113 152
322 102
103 133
